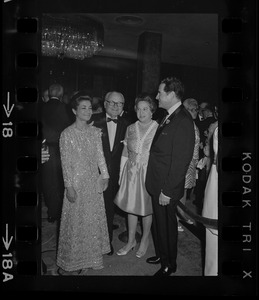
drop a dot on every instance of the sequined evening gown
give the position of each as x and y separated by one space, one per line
83 235
190 178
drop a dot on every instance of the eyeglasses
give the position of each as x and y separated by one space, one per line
112 103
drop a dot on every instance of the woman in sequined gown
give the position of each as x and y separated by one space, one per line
83 237
132 196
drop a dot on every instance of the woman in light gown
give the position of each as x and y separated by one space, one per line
190 178
210 210
132 196
83 235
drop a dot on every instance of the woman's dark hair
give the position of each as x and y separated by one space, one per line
77 98
147 98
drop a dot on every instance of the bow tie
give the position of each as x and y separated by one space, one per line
110 119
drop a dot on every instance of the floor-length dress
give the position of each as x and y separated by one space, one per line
210 210
132 196
83 235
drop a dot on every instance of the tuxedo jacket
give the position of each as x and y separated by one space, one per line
170 155
113 157
54 119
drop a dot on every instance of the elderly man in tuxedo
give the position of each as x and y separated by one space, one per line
170 155
113 132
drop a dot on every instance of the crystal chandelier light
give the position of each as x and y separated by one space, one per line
72 36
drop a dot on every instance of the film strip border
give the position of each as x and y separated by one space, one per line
237 150
21 218
21 225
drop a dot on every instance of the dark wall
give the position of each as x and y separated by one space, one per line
200 83
98 75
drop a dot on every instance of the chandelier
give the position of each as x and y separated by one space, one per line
72 36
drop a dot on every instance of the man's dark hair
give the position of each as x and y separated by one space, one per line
175 85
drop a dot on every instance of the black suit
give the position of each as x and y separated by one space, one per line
54 120
113 159
170 155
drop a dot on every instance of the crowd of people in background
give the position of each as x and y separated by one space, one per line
97 157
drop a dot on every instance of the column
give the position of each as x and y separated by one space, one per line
149 62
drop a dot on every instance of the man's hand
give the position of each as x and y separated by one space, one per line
163 200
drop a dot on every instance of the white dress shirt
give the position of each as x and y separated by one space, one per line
112 127
173 108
